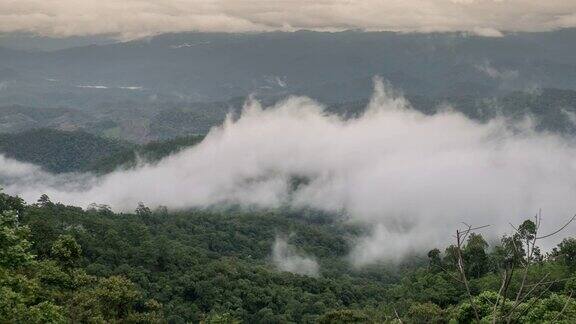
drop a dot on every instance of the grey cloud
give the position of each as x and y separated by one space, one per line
136 18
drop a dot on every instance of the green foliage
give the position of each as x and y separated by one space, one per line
14 245
567 252
435 261
150 153
213 266
225 318
54 290
344 316
66 250
10 203
204 264
554 309
484 302
112 299
19 291
58 151
475 256
527 230
425 313
61 151
529 280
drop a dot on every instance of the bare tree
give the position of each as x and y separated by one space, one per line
460 238
525 253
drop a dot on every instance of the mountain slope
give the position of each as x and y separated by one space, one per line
151 152
58 151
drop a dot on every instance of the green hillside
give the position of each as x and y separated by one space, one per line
151 152
60 151
64 264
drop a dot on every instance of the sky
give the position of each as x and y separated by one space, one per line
128 19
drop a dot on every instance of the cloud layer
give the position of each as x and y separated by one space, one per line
413 178
134 18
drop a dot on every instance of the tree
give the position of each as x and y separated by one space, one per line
14 244
434 260
519 250
344 316
567 252
425 313
553 309
19 288
66 251
117 294
44 201
475 256
12 203
225 318
142 210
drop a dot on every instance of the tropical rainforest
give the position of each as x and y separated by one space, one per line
63 264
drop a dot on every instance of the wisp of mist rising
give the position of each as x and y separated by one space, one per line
413 177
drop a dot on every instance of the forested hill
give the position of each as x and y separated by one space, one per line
58 151
151 152
553 110
64 264
62 151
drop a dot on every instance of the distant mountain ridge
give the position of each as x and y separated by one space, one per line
58 149
333 67
552 109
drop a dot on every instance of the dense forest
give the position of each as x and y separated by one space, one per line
58 151
552 110
77 151
64 264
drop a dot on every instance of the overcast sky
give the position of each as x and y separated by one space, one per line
134 18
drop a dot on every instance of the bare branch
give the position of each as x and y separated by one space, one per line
535 299
463 273
560 229
469 228
504 279
530 253
509 317
514 227
397 316
550 282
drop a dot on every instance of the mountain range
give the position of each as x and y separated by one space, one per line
332 67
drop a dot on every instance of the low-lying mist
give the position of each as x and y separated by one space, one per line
414 178
286 258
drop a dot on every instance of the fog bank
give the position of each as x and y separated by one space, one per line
414 178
